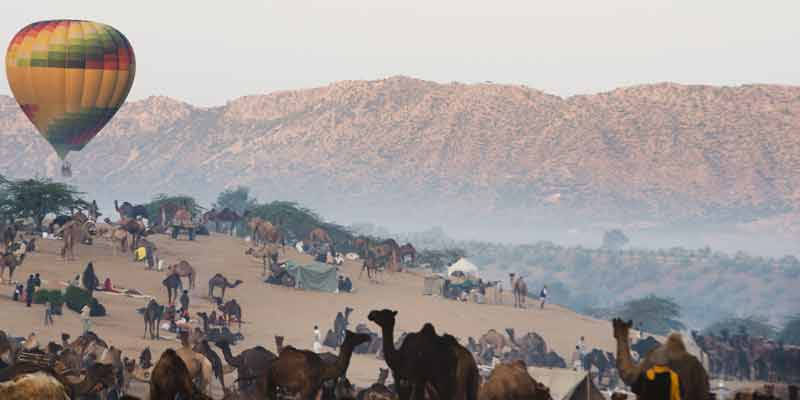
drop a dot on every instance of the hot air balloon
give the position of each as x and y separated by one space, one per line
69 77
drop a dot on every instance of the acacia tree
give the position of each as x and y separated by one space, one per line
658 315
238 200
614 239
37 197
752 326
791 331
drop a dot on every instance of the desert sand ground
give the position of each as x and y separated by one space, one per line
270 310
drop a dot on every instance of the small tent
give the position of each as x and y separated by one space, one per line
465 266
314 276
585 390
566 383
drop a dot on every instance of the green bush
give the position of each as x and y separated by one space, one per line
55 297
76 298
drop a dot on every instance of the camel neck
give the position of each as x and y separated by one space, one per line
628 370
389 352
339 368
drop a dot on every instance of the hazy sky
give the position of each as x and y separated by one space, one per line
208 52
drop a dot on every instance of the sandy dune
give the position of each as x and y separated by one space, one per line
269 310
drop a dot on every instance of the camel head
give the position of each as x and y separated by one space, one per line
354 339
383 318
621 328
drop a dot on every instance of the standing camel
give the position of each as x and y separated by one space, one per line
172 282
372 266
232 309
218 280
152 319
119 239
182 269
72 232
12 259
519 289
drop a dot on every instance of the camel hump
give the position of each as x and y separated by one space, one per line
428 329
675 342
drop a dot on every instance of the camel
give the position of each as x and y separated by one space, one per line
319 235
172 282
72 232
690 372
184 269
513 382
249 363
119 239
199 367
303 371
494 339
427 359
12 259
221 282
519 289
38 385
264 232
372 267
129 211
378 390
152 319
136 230
171 379
230 309
203 348
268 254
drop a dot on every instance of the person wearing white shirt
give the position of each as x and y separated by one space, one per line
86 318
317 347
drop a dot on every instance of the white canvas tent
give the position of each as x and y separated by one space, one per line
564 383
465 266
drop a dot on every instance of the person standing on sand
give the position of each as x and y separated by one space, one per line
543 297
185 300
317 346
29 288
86 314
48 313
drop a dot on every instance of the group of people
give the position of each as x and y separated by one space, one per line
25 293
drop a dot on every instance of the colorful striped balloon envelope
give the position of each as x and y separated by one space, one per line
69 77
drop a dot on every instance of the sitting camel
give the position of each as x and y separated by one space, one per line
378 390
249 363
303 371
512 381
660 368
218 280
183 269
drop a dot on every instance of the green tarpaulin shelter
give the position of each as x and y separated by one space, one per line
314 276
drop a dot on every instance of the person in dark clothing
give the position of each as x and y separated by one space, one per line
29 287
348 285
185 300
37 281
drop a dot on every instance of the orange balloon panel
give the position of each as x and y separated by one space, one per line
70 78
